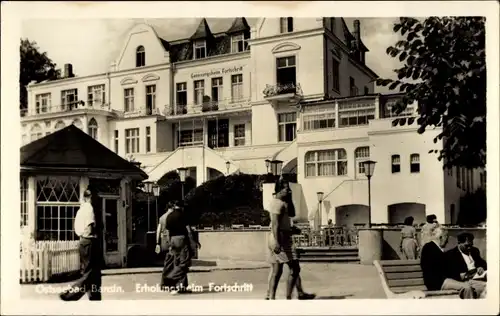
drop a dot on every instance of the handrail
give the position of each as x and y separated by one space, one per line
348 180
70 106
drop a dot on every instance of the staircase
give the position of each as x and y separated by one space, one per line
329 254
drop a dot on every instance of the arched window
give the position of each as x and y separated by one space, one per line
361 155
59 125
331 162
415 163
140 57
78 123
396 163
36 132
93 128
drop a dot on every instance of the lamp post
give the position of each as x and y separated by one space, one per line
156 193
148 186
268 164
228 165
369 169
276 166
320 202
182 176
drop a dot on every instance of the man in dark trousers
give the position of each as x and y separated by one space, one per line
435 266
91 256
465 265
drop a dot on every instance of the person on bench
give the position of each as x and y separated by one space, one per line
436 268
466 265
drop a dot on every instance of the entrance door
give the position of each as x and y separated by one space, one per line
112 228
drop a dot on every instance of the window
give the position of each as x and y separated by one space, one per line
286 25
199 91
352 87
116 141
192 137
148 139
93 128
96 95
332 162
239 135
236 87
200 49
132 141
336 74
59 125
216 90
140 57
415 163
367 91
355 113
285 72
408 111
36 132
396 163
181 94
238 43
319 119
129 99
24 202
57 201
43 103
332 25
287 126
361 154
68 99
150 99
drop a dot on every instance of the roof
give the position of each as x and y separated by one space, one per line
239 25
202 31
71 149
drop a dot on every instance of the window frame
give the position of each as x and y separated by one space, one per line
239 139
395 163
65 104
414 166
360 159
117 140
132 141
282 126
93 128
235 43
96 90
335 74
129 103
312 120
286 25
148 139
151 97
239 84
201 46
140 56
336 162
39 100
198 98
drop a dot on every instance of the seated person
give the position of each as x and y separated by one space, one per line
465 262
436 268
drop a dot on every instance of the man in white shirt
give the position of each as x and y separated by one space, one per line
91 256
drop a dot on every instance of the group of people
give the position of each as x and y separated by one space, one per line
460 268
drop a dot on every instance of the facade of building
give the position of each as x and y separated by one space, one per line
231 94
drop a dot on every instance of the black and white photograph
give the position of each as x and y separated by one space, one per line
331 155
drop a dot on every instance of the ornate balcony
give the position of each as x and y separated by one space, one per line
139 112
209 106
283 92
63 109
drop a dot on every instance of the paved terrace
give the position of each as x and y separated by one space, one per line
327 280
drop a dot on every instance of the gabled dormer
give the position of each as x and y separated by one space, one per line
202 40
240 34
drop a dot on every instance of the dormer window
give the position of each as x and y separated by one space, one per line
200 49
286 25
140 57
239 43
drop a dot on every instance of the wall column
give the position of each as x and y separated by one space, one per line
31 206
200 173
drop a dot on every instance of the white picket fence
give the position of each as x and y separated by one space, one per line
44 259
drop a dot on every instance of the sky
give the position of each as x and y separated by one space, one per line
92 45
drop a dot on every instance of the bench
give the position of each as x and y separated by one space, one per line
404 279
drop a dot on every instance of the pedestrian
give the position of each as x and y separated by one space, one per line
163 244
425 233
280 244
409 244
91 256
181 243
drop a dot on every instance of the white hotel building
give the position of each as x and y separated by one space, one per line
292 89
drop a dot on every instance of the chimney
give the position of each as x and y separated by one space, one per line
68 71
357 41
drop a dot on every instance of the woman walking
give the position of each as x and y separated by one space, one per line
409 244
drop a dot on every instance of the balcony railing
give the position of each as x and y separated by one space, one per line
68 107
208 106
142 111
282 89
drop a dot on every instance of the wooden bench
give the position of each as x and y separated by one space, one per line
404 279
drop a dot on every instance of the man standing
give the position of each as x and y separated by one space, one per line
435 267
90 254
163 244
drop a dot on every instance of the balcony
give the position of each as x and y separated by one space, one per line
64 109
209 107
140 112
289 92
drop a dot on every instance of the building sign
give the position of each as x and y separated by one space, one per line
217 72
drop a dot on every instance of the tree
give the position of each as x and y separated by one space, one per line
35 66
444 70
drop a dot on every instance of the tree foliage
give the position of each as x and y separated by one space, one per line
444 70
35 66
